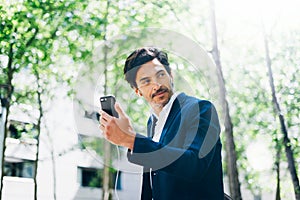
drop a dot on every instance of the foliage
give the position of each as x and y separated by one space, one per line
251 102
56 38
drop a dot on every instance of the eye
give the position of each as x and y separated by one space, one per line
161 74
145 82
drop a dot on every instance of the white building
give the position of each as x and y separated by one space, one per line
75 164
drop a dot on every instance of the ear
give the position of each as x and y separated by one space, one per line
138 92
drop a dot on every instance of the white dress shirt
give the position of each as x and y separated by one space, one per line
162 118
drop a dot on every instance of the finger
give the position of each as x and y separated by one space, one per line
102 128
101 118
120 111
105 119
105 116
100 115
103 122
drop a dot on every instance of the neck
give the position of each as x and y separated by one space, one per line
157 108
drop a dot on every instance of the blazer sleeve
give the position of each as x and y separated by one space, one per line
194 133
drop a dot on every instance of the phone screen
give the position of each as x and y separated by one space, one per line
108 105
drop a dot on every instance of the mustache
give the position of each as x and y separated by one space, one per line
161 89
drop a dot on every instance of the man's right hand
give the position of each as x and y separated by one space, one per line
118 131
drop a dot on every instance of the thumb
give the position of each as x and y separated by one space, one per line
120 111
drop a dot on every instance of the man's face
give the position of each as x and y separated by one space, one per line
154 84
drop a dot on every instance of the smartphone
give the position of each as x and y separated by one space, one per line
108 105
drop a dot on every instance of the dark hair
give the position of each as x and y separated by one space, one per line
141 56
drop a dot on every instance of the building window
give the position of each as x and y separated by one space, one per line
20 168
17 130
92 177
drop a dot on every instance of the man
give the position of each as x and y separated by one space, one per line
181 156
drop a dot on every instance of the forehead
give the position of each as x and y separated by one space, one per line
149 68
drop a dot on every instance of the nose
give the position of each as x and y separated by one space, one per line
156 85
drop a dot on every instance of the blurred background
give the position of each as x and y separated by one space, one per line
58 57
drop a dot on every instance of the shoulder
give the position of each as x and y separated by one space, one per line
190 102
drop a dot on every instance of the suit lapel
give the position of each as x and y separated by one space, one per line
176 107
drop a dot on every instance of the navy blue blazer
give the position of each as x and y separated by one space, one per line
186 163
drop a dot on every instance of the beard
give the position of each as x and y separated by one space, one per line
161 90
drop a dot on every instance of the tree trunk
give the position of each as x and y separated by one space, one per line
38 126
52 161
53 168
10 72
52 152
286 140
107 146
231 157
54 176
277 167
